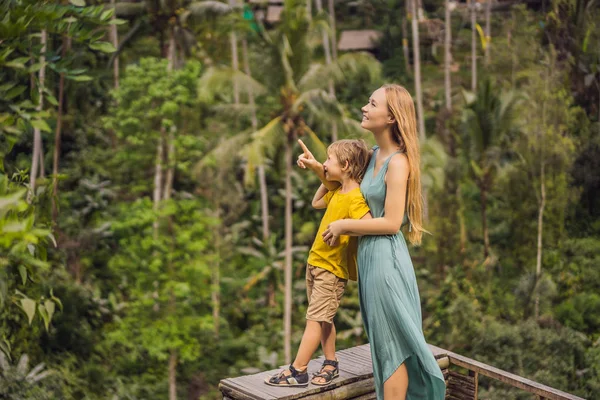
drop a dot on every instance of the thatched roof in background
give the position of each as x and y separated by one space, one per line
274 14
358 39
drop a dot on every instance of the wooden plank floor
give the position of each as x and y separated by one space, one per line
355 365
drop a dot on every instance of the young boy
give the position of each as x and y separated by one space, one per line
329 267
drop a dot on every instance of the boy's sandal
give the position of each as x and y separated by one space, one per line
295 379
328 375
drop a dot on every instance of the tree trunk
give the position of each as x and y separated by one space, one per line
158 172
473 46
262 179
234 60
417 64
447 56
170 146
287 319
327 51
37 156
488 12
405 37
418 90
216 275
332 56
461 220
486 239
332 24
173 375
58 131
115 42
542 205
538 266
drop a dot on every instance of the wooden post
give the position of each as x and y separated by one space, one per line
475 376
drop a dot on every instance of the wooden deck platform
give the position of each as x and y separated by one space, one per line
356 380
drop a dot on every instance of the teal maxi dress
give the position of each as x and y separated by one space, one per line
390 303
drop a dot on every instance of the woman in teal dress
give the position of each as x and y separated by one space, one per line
403 365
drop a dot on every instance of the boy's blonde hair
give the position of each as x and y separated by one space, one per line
353 151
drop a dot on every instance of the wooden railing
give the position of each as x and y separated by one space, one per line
356 380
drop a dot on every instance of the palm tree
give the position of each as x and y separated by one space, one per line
488 12
327 49
268 255
417 65
304 101
447 56
37 162
114 36
472 7
489 119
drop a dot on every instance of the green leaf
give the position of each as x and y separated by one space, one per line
78 3
23 272
35 67
41 125
116 21
13 64
107 14
51 236
79 78
29 308
42 311
104 47
5 348
50 307
14 92
51 99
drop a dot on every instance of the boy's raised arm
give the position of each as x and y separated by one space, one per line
307 160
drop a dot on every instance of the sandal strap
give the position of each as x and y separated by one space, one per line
282 376
332 363
326 373
293 370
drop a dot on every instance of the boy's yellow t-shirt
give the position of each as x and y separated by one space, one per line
341 259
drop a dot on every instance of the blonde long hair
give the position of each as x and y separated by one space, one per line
404 133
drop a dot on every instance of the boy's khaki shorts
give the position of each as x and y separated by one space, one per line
324 291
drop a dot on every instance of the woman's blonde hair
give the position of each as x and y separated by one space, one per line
404 133
353 151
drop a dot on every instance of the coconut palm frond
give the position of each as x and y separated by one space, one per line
222 153
255 279
185 39
322 109
317 98
359 65
350 128
263 143
220 80
319 149
318 76
234 110
285 53
348 67
433 163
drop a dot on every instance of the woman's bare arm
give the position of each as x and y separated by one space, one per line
396 180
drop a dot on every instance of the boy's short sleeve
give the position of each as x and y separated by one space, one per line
329 195
358 207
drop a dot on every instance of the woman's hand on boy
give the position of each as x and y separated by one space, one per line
331 235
